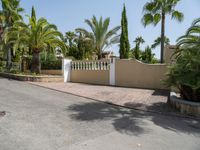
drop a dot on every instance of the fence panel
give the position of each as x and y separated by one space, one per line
91 72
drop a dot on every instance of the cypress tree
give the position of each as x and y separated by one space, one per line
33 15
124 41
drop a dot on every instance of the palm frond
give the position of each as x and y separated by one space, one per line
178 16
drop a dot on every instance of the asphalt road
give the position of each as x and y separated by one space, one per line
41 119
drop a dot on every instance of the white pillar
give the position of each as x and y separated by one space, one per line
112 71
67 69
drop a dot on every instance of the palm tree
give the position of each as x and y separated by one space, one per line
100 35
156 11
191 38
8 15
157 42
139 40
70 37
38 35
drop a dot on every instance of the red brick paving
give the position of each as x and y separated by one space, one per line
153 100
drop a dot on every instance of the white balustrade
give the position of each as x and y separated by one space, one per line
90 65
69 65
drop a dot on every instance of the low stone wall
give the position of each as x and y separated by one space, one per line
184 106
32 78
52 72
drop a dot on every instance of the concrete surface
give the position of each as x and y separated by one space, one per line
42 119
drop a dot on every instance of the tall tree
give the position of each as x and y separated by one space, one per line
80 46
124 41
157 42
8 15
147 55
70 38
137 52
156 11
84 44
37 35
100 36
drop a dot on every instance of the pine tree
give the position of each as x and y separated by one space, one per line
124 42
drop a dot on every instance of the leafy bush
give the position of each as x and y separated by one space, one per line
50 62
52 65
2 65
185 73
16 57
14 71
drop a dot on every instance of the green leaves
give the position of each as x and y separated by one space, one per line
147 19
100 36
149 6
156 18
154 9
157 42
185 74
178 16
38 34
191 38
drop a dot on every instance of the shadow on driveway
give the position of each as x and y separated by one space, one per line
128 121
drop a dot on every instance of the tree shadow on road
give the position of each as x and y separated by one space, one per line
129 121
123 120
163 115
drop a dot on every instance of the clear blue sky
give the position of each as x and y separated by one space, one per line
70 14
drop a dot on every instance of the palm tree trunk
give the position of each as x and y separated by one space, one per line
137 49
22 61
99 56
162 38
8 58
35 64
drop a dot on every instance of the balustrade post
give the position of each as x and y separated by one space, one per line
66 69
112 71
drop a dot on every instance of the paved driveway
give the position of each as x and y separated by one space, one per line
41 119
142 99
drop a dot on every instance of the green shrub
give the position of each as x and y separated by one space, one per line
50 62
52 65
185 75
2 65
14 71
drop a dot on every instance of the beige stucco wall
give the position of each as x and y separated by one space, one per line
132 73
90 76
168 54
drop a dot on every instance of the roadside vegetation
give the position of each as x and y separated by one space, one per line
38 44
185 73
